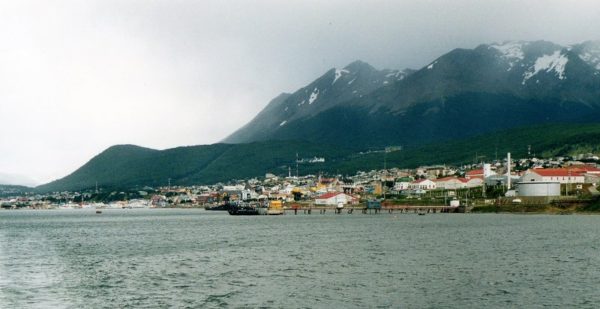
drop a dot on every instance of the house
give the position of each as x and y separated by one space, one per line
473 182
334 198
401 186
474 174
450 183
423 184
432 171
249 195
562 175
586 169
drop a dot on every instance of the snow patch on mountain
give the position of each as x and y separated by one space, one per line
592 57
283 123
338 74
429 67
350 82
510 50
555 62
313 96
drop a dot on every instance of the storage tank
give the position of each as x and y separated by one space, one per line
538 188
487 170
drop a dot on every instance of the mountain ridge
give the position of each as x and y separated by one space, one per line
520 75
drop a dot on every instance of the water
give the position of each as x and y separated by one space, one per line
193 258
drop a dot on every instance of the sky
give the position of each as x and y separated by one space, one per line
79 76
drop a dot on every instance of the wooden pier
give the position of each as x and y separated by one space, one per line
350 209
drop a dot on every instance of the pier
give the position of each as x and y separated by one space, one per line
350 209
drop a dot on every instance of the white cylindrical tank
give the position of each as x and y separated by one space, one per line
538 188
487 170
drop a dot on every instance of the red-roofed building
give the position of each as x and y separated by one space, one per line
334 198
450 183
562 175
586 169
423 184
474 174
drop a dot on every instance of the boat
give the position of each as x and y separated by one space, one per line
243 209
275 208
224 206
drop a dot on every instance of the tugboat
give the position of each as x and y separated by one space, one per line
243 209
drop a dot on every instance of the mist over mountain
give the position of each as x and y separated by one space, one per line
462 93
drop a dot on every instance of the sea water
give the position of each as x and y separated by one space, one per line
195 258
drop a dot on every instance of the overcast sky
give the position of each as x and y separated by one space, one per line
79 76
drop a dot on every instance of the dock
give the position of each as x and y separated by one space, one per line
350 209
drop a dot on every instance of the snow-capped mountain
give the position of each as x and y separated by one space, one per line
464 92
333 88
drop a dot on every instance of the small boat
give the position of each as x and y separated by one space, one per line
243 209
98 211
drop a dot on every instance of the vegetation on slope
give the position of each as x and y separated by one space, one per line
129 166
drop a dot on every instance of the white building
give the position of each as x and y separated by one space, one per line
334 198
401 186
423 184
562 175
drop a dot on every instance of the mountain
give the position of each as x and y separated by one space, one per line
462 93
127 166
468 100
13 190
331 90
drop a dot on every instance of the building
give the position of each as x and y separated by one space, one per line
473 182
450 183
423 184
474 174
334 198
562 175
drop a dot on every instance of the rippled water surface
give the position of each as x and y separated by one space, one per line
194 258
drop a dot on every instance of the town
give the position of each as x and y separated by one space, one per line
526 181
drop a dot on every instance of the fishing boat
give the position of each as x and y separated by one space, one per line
243 209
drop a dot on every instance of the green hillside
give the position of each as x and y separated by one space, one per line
545 141
129 166
124 166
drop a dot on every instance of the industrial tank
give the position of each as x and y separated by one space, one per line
538 188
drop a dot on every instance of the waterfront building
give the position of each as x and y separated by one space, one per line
334 198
